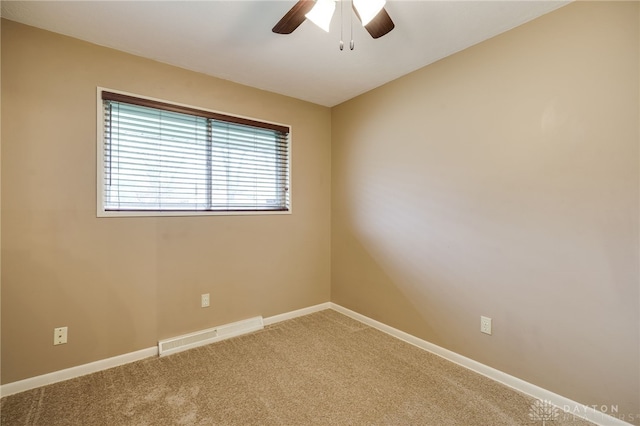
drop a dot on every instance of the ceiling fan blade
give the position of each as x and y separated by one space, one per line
380 25
294 17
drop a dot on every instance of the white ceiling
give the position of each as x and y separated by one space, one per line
233 39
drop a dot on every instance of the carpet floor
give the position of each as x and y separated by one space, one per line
320 369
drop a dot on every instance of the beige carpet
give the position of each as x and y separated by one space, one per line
323 369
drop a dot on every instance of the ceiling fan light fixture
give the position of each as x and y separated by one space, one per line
368 9
322 13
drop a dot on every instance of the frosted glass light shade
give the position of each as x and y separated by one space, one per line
321 13
368 9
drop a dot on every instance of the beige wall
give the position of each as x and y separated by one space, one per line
120 284
503 181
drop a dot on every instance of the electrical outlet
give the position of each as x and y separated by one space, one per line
59 335
204 300
485 325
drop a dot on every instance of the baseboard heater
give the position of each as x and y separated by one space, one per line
210 335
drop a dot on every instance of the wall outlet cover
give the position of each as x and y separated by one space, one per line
204 300
60 335
485 325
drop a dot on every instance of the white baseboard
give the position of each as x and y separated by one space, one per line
73 372
297 313
103 364
579 410
575 408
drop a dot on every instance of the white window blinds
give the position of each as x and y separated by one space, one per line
162 157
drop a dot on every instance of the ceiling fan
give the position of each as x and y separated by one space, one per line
371 13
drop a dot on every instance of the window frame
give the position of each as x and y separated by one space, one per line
178 107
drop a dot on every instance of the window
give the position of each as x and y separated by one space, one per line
160 157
